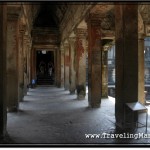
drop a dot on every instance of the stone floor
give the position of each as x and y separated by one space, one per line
50 115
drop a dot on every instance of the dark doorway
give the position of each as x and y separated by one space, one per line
45 67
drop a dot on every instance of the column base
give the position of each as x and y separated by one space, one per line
3 135
66 87
95 106
12 109
81 97
104 96
81 92
58 84
72 92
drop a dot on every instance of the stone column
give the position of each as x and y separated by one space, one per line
25 63
62 67
55 66
29 63
104 74
81 63
58 82
126 23
3 38
20 63
72 70
33 66
66 66
28 59
34 63
94 61
141 88
12 61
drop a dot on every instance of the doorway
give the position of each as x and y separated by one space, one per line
45 70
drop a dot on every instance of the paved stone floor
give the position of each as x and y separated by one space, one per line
50 115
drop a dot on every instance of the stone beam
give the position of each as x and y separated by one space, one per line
73 17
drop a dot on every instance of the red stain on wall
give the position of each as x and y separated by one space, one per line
80 49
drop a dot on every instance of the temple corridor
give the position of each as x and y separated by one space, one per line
49 115
54 71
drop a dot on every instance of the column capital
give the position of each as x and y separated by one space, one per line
66 44
106 48
141 36
72 39
81 33
61 47
14 12
94 19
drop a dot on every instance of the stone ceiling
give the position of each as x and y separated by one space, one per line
56 14
50 14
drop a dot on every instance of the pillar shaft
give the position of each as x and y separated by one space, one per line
141 95
126 58
58 68
29 63
94 61
20 65
104 74
81 63
25 64
3 30
72 70
33 63
66 66
12 62
62 67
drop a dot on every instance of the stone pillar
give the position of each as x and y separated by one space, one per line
66 66
104 74
20 63
29 63
3 38
126 23
141 88
72 69
81 63
12 61
94 61
33 66
62 67
55 67
25 64
28 59
58 82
